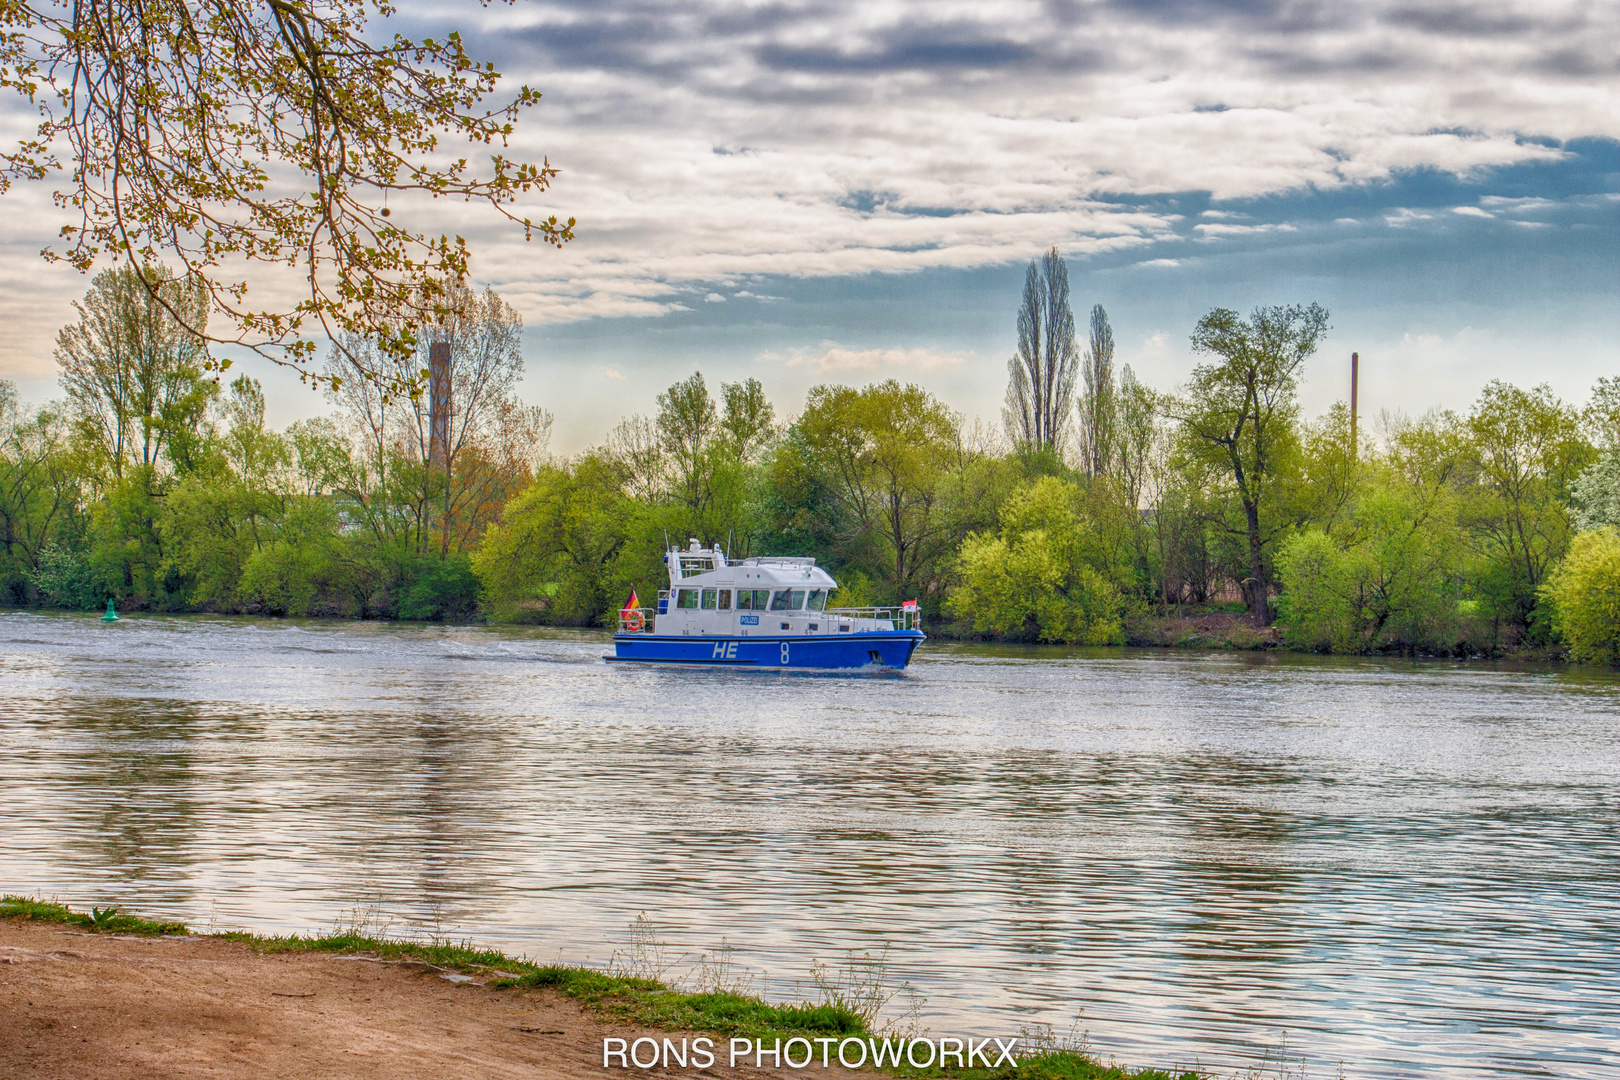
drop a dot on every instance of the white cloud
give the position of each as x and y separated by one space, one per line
1405 215
1509 205
1211 231
613 373
830 357
1161 262
1471 211
714 298
704 143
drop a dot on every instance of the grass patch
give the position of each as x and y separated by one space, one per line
620 997
631 1000
1075 1065
107 920
465 957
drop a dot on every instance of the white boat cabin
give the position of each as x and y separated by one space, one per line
709 595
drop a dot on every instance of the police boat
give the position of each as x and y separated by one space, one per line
763 612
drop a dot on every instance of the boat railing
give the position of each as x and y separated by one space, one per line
641 619
637 619
903 618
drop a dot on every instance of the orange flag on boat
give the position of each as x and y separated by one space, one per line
630 604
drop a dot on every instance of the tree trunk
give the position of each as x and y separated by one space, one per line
1259 589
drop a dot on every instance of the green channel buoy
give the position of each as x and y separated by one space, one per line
111 616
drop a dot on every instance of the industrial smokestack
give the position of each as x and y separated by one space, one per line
439 405
1355 374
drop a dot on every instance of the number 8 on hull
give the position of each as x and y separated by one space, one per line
764 612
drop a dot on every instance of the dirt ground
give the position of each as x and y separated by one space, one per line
89 1006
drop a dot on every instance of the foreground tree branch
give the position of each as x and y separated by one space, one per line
222 133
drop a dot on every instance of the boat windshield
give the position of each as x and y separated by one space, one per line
818 600
688 598
788 600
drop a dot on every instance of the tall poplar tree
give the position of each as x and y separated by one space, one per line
1098 398
1041 374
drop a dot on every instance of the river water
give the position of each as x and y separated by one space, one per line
1412 868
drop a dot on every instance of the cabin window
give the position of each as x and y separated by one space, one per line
753 599
788 600
688 598
818 600
708 599
725 599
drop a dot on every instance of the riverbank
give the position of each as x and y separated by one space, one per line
106 994
1199 628
1228 628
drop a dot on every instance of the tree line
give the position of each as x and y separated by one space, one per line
1100 509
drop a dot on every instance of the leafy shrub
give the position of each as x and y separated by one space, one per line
68 578
283 580
1384 581
1314 607
553 556
1597 494
444 589
1584 590
1033 579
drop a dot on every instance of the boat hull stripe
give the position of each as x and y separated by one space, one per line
892 649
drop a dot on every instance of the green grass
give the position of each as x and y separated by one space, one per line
616 998
102 920
1073 1065
465 958
650 1003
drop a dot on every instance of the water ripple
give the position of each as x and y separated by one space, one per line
1407 867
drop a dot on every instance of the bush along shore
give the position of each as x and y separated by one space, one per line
720 1011
1108 513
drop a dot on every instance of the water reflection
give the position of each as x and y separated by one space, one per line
125 787
1410 867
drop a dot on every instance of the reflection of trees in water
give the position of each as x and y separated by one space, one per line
129 773
459 821
1184 860
406 810
1236 871
420 808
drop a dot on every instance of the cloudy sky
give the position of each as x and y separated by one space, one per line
820 191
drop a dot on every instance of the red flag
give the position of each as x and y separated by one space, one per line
908 605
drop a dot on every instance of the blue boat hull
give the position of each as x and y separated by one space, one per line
886 648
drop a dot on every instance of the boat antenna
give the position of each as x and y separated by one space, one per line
729 534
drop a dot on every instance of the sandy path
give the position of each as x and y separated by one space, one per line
90 1006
